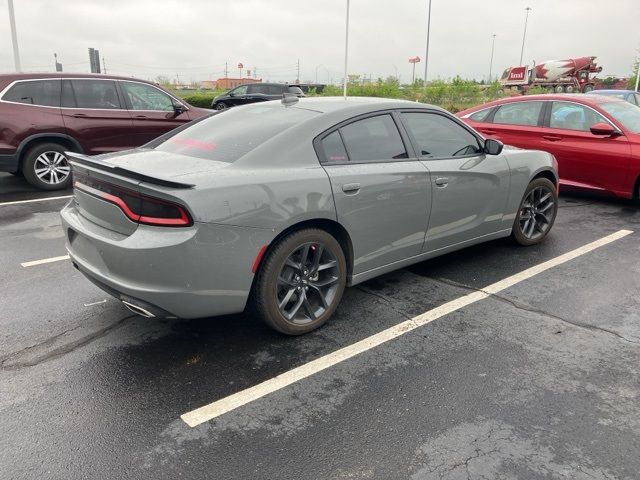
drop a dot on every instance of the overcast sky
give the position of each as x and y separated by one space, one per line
194 38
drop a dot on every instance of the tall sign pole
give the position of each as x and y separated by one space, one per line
526 18
346 54
426 52
14 37
493 46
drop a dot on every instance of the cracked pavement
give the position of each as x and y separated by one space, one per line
540 381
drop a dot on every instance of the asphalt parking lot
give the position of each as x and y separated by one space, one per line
536 380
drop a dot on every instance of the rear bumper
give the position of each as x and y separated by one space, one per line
9 163
200 271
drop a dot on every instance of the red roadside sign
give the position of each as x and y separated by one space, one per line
240 65
414 59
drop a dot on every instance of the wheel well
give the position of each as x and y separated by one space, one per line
636 189
549 175
29 144
330 226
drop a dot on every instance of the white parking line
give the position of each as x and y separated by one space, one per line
17 202
227 404
45 260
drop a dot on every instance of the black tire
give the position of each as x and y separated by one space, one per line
220 106
269 285
543 215
35 160
587 88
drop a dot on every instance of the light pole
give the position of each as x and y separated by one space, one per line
14 37
426 52
493 46
637 75
528 9
346 54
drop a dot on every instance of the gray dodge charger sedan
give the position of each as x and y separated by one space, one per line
281 205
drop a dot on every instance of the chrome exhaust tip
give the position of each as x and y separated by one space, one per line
138 309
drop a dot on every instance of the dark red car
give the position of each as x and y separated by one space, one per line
595 139
44 115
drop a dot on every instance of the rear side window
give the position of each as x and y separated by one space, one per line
99 94
333 148
373 138
518 113
35 92
275 89
225 137
481 115
438 136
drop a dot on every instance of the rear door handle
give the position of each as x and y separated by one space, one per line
79 115
442 181
552 138
141 116
351 187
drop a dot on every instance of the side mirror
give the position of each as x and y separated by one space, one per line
604 129
179 108
493 147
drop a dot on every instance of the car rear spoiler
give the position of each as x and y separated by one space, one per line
86 160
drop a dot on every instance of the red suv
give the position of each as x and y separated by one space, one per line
44 115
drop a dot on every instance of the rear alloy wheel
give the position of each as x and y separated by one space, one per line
559 89
301 282
221 106
47 167
537 212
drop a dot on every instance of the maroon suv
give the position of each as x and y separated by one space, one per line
44 115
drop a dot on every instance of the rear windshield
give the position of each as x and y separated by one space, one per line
227 136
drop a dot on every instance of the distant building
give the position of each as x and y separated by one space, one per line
229 83
208 84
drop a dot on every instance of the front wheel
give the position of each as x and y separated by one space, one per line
301 282
537 212
47 167
221 106
587 88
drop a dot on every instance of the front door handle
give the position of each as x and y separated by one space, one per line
488 131
79 115
442 181
351 187
552 138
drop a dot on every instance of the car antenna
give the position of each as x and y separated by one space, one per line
289 99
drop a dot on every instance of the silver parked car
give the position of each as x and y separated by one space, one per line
282 204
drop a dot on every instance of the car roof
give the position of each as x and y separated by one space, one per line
335 104
612 91
12 77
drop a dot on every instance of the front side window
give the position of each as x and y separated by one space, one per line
571 116
275 89
440 137
146 97
35 92
241 90
518 113
625 113
100 94
373 138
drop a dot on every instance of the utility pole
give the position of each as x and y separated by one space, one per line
427 54
637 76
493 45
104 66
14 37
526 18
298 72
346 54
226 72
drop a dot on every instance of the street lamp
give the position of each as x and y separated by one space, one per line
426 52
493 46
346 54
528 9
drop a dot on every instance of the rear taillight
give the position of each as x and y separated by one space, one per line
137 207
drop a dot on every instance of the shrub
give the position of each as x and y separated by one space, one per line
200 99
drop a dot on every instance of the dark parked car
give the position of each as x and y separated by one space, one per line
44 115
630 96
254 92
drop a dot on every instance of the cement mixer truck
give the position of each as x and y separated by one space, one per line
571 75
